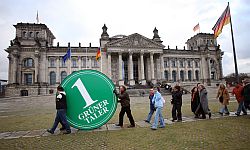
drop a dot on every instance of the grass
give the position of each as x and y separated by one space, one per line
227 133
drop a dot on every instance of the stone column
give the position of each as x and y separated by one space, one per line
90 62
193 70
162 67
209 70
109 65
58 70
178 71
14 66
170 70
152 68
143 81
186 70
79 62
131 70
121 81
37 55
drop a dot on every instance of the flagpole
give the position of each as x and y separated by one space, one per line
235 58
101 58
86 58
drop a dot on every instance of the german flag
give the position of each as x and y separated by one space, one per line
222 21
98 54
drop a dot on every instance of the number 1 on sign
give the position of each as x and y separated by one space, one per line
83 91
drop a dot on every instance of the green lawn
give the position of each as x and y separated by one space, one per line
227 133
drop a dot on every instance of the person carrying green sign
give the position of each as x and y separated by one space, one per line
61 107
125 103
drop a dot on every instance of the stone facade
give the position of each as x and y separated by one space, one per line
36 66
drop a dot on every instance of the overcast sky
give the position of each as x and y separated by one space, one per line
77 21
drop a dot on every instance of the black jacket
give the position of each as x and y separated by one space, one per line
61 101
177 98
124 99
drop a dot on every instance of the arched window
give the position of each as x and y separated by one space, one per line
166 74
28 62
24 34
197 75
181 63
74 64
174 75
189 75
63 75
52 77
182 75
31 34
196 64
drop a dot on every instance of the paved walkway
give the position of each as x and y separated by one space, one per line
106 127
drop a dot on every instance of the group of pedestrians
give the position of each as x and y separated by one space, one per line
199 104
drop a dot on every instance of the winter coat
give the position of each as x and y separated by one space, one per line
157 100
237 91
124 99
195 101
246 93
61 100
177 98
204 100
225 94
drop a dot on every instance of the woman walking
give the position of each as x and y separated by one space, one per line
195 99
223 97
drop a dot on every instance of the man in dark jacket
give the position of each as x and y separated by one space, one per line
246 92
61 107
125 103
177 103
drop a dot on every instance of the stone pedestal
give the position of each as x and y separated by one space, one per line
143 82
131 82
121 82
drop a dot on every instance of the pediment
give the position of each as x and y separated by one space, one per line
135 41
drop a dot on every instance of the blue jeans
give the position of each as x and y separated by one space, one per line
224 109
150 114
61 117
158 114
242 108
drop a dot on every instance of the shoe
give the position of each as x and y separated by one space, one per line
209 115
237 114
153 128
203 117
227 113
196 116
244 114
131 126
62 128
67 132
51 132
146 121
221 113
118 125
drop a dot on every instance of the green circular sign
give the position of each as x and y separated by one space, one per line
90 99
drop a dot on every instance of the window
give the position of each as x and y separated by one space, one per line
165 63
37 34
174 75
182 75
189 75
94 63
24 34
181 63
27 78
31 34
63 63
196 64
84 63
189 63
28 62
63 75
52 76
173 63
74 64
52 62
166 74
197 75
